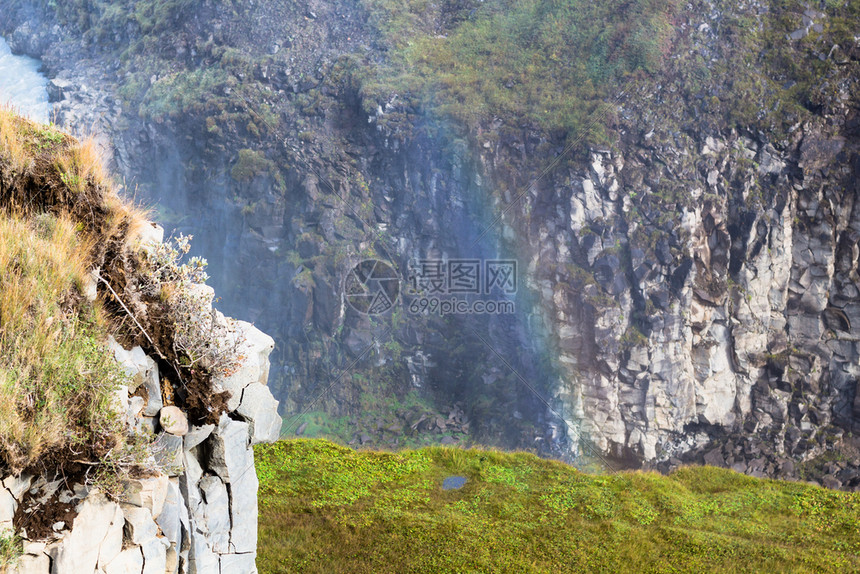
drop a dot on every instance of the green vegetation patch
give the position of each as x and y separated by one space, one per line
57 378
327 508
543 63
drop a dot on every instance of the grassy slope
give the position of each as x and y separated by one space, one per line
57 378
326 508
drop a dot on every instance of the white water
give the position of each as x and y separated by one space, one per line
22 86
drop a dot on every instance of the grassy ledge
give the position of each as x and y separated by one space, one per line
59 220
327 508
57 379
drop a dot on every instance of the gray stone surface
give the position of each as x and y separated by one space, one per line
141 530
171 515
255 346
58 88
243 497
139 524
128 561
8 505
168 452
201 559
18 485
79 549
149 493
111 546
260 409
197 435
230 448
238 564
154 556
216 513
32 564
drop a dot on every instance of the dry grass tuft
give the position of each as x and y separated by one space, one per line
11 147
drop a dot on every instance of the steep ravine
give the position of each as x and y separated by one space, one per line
281 242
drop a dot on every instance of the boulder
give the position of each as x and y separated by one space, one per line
255 346
830 481
58 88
173 421
714 457
260 409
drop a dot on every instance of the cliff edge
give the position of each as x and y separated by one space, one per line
130 404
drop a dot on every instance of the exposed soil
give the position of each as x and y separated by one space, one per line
38 519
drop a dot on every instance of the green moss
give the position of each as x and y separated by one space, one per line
544 63
249 165
325 508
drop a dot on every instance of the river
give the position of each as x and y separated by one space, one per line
22 85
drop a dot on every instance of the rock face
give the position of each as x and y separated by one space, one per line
196 515
696 283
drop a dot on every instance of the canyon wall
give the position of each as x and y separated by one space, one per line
690 287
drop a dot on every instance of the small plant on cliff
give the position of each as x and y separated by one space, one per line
10 550
249 165
201 335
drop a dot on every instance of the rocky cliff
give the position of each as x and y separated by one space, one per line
131 405
691 269
194 511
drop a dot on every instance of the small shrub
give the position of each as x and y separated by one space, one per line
249 165
201 336
10 550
